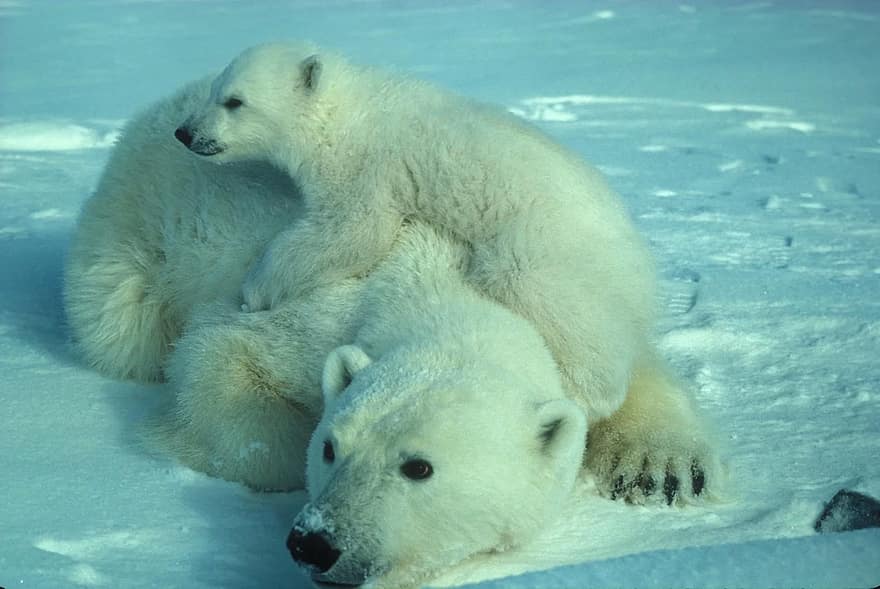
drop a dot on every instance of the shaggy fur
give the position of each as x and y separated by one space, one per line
369 150
413 351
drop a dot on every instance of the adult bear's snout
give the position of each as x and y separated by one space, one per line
312 549
184 136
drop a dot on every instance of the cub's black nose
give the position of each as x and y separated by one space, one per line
184 136
312 549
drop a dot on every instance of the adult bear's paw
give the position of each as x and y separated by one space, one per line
644 467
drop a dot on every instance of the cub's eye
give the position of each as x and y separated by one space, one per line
232 103
417 469
329 454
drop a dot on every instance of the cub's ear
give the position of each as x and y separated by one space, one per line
562 435
310 72
341 366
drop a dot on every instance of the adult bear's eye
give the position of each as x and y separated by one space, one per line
417 469
329 454
232 103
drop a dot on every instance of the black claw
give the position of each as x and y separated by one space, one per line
618 489
647 484
670 488
645 481
698 478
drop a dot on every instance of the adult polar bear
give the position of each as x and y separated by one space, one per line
446 431
166 232
151 281
549 239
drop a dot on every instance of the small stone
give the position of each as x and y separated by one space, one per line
847 511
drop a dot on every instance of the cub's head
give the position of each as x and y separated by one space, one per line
263 106
414 468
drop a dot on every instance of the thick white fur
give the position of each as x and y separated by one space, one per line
152 280
440 373
369 150
155 265
163 232
248 386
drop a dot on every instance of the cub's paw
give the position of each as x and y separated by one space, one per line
655 467
263 288
254 297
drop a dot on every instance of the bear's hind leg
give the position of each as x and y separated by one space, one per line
120 324
247 387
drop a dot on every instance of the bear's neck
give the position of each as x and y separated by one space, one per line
356 117
337 157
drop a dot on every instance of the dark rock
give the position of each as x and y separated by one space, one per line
849 510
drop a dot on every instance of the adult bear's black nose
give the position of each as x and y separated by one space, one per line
312 549
184 136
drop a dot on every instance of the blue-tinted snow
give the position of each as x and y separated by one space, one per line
744 136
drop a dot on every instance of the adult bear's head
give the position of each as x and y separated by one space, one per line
421 461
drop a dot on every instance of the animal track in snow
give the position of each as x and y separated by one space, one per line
753 250
681 293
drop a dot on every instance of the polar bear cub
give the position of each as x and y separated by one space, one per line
446 431
548 238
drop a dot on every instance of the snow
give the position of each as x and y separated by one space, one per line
745 138
840 560
52 136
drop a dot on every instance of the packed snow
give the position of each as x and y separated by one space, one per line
744 137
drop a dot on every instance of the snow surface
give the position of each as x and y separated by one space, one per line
745 137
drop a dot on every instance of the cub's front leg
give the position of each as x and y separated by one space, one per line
654 448
320 249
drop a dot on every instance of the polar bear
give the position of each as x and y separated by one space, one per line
151 292
549 239
151 282
247 387
162 233
446 431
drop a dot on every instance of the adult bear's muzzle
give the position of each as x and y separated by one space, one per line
312 550
184 136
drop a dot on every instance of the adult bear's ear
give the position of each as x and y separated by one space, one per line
339 369
562 436
310 72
